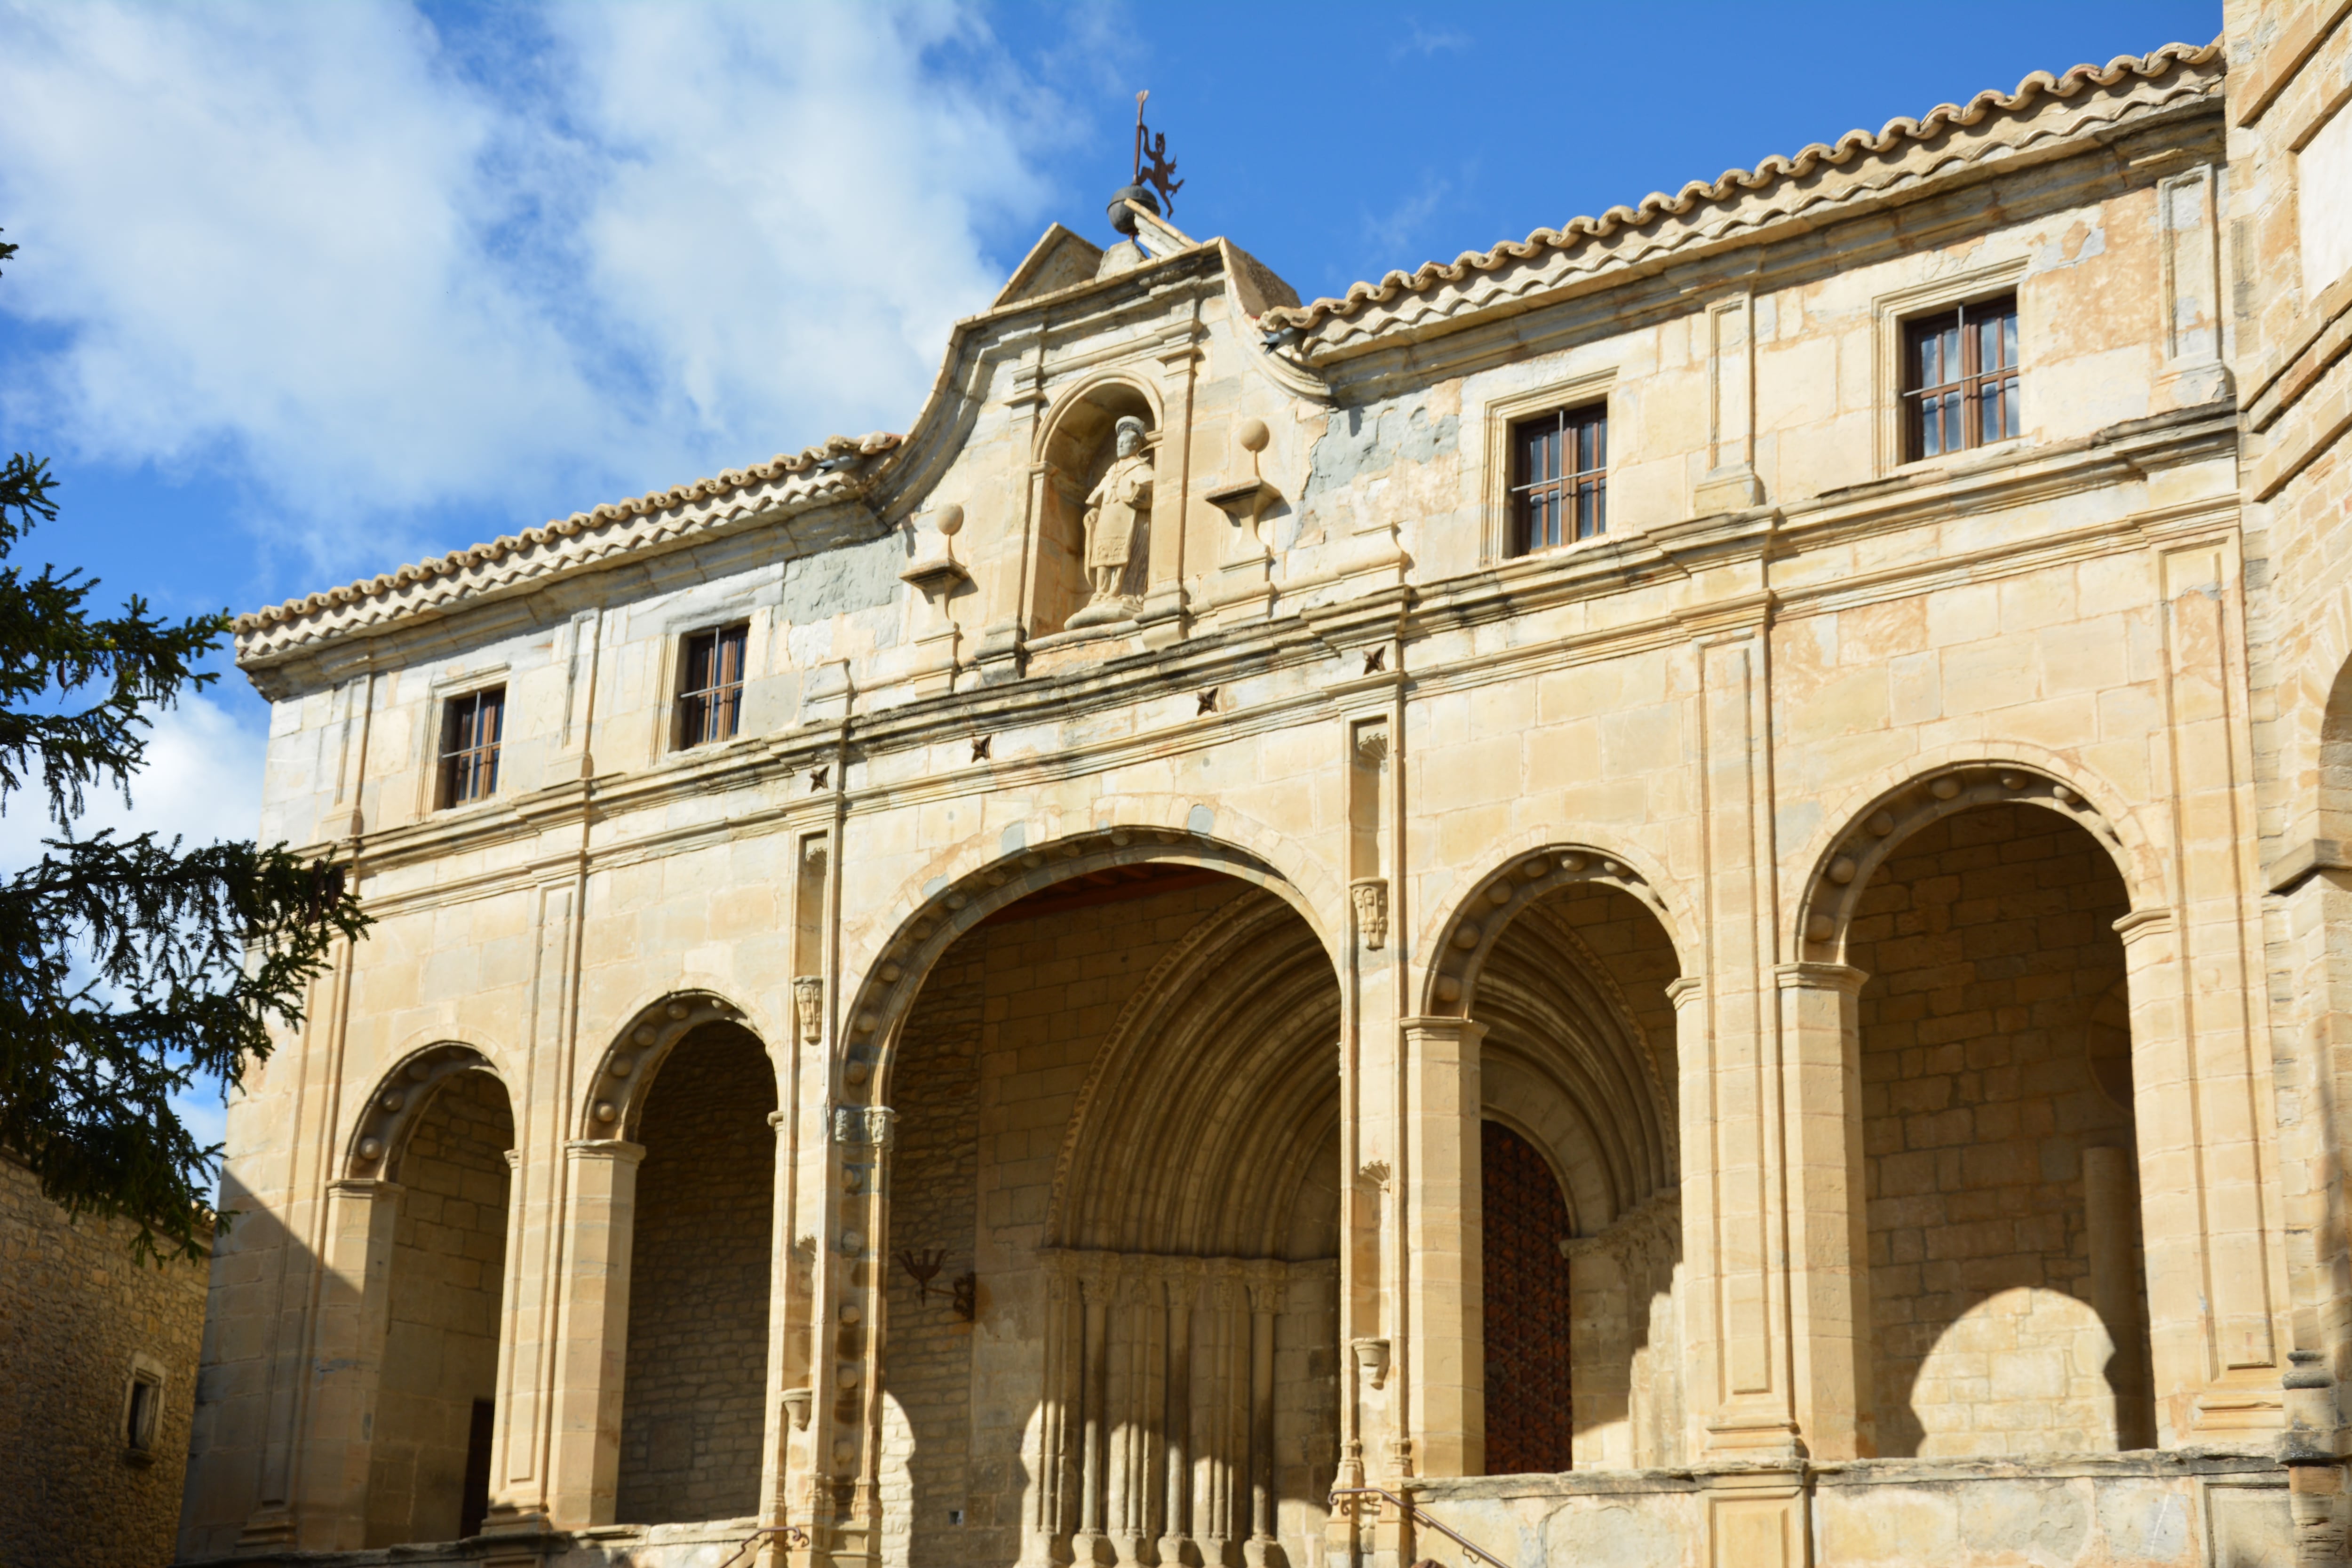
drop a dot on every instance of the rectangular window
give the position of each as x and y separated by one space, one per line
469 745
140 1413
1560 478
1959 378
710 702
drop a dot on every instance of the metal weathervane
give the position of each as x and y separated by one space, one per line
1152 164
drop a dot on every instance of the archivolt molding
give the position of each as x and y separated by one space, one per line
1842 872
379 1133
615 1098
1552 1005
1460 948
1149 998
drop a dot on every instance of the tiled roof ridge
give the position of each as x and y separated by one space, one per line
719 485
1772 169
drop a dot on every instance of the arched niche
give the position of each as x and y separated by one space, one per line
1078 445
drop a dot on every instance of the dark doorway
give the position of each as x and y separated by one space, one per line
1530 1422
475 1506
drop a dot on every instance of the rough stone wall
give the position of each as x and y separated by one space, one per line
1987 938
934 1204
441 1336
690 1408
74 1309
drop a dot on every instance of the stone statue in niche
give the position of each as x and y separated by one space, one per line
1117 523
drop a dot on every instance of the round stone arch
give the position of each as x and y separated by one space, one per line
379 1132
1300 877
1087 410
901 963
1460 943
1844 860
613 1102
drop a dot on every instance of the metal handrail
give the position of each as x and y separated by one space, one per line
1418 1513
793 1534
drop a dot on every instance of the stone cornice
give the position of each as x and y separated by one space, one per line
1512 590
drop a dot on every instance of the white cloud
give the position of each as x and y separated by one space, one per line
202 783
329 252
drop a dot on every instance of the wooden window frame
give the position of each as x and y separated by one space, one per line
1892 310
1567 503
1501 415
710 700
466 768
1968 393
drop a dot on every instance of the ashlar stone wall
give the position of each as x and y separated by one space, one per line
77 1312
690 1410
934 1515
1986 1027
441 1338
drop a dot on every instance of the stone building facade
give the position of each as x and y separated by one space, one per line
1669 895
97 1385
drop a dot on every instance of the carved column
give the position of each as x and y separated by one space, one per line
1264 1302
1216 1399
1096 1283
1830 1350
1047 1521
1182 1286
592 1351
864 1136
1442 1354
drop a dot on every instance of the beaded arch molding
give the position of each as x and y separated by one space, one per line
617 1089
1834 891
901 965
1479 921
380 1136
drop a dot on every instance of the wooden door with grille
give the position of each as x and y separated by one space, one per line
1531 1421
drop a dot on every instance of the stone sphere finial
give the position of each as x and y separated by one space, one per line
1254 435
950 520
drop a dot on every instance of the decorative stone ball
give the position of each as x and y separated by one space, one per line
605 1111
371 1148
392 1100
1254 434
951 520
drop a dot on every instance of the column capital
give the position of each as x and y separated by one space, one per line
2142 923
363 1187
1686 989
615 1149
1810 976
1469 1031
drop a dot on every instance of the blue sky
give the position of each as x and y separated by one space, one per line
309 290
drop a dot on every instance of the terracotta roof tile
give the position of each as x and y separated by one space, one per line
1853 145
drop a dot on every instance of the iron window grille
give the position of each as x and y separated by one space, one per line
470 726
1960 378
710 705
1560 478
